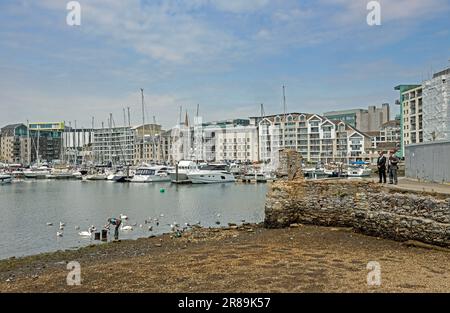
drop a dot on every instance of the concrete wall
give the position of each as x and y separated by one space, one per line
428 161
365 206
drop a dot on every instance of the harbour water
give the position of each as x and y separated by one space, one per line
26 208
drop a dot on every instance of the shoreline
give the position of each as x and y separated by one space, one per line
246 258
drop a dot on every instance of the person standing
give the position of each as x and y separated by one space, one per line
381 164
393 168
115 222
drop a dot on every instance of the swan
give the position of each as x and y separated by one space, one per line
126 228
86 233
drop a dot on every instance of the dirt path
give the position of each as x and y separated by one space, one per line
304 259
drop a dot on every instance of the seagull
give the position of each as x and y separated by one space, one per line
49 224
150 228
61 224
59 234
123 217
77 227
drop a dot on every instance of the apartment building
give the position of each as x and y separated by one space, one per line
411 122
237 143
317 138
14 144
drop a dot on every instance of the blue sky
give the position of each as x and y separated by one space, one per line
226 55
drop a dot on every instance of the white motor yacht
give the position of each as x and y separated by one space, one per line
184 168
152 174
211 175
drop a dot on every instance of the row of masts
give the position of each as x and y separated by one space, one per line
126 122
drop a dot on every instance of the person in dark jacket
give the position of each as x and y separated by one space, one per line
393 168
115 222
381 164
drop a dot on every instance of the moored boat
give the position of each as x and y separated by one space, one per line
5 179
212 174
152 174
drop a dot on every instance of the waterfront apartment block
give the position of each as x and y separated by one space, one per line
238 143
436 107
317 138
364 120
14 144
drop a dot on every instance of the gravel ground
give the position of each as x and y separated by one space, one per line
247 259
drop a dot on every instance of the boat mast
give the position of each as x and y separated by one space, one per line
28 144
111 138
143 125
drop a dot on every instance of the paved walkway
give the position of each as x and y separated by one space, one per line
414 185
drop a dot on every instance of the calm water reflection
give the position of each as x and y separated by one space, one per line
26 208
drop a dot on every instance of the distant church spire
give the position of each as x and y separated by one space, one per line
186 120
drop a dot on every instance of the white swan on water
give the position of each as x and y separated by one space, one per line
126 228
87 233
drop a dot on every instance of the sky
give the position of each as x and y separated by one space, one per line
227 56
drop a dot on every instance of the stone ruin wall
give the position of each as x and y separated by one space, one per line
364 206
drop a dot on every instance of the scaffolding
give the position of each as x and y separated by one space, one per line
436 108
